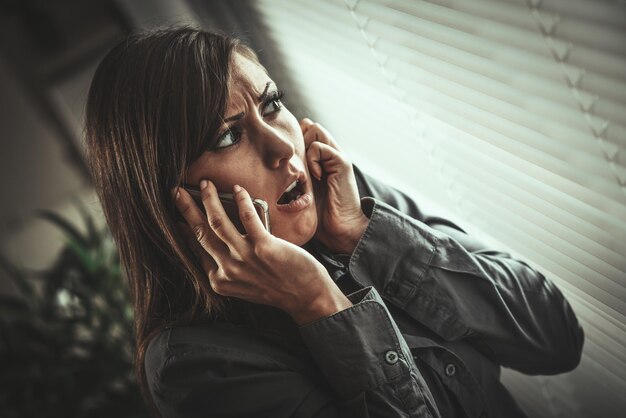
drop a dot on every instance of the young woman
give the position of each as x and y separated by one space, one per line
356 304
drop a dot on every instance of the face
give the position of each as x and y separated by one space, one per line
262 149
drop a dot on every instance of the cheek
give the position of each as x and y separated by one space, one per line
292 127
239 167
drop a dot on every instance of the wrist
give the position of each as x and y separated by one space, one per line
321 307
348 243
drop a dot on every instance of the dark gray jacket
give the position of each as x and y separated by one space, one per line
435 316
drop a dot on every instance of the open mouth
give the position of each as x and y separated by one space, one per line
293 193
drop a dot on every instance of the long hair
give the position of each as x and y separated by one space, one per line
154 106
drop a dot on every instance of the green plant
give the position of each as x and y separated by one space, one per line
66 344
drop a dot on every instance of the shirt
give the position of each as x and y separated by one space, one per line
435 316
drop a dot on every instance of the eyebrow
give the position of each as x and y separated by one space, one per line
260 99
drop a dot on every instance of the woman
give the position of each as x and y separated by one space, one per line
357 304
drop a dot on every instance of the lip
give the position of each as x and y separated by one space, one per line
303 201
300 176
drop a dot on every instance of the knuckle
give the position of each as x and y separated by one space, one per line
260 251
221 283
185 208
213 284
229 272
217 287
220 275
200 231
217 280
314 146
247 215
216 222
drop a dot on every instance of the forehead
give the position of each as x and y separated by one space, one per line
246 75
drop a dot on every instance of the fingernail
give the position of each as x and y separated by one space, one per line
237 188
175 193
203 184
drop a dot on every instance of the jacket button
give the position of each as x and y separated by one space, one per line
450 369
391 289
391 357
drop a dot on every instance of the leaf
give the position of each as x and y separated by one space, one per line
87 260
63 224
42 347
94 237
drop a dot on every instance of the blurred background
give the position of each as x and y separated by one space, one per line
506 116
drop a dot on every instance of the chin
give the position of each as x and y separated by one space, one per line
301 232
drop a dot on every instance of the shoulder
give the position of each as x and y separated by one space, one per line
194 367
210 340
188 359
217 348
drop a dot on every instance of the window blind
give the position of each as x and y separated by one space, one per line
507 116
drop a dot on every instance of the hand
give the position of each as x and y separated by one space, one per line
257 267
341 222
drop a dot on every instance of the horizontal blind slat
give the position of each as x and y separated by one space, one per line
483 111
601 206
604 63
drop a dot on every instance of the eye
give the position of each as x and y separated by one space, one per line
273 102
228 138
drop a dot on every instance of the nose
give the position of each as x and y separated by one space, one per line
276 148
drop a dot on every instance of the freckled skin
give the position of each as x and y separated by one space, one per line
270 147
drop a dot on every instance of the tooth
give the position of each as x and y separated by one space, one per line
291 186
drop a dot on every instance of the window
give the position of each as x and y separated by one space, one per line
507 116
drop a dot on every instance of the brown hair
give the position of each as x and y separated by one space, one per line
154 105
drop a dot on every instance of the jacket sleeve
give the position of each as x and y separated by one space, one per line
367 362
461 289
367 370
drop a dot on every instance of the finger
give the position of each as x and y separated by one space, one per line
304 126
322 135
248 215
206 261
305 123
198 223
217 218
322 158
